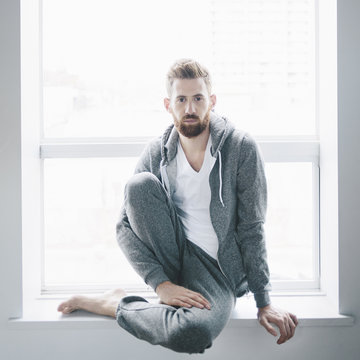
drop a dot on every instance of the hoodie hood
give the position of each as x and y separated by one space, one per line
219 128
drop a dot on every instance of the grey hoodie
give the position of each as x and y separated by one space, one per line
237 208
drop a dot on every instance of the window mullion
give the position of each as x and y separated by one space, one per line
284 151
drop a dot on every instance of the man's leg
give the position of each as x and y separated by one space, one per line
105 304
153 218
189 330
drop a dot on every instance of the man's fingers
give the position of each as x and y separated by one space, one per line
294 319
288 330
179 302
289 326
282 328
285 321
283 333
172 294
203 301
268 327
292 327
198 295
199 298
192 302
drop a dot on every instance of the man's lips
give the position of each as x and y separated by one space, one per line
191 119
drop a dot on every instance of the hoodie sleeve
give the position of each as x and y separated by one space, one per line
140 256
252 204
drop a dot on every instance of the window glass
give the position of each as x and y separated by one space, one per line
104 63
289 228
82 202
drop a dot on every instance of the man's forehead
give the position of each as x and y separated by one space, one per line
189 87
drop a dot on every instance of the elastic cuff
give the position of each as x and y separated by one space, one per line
127 302
156 277
262 299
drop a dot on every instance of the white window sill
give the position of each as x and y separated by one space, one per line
311 310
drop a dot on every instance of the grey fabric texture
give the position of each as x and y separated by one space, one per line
153 219
237 210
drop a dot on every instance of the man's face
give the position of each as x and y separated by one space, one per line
190 105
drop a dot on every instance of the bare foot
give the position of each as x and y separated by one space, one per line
105 304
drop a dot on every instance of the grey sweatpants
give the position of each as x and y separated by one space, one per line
152 217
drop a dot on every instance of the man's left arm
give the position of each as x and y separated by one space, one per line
252 206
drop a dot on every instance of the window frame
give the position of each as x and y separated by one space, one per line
299 149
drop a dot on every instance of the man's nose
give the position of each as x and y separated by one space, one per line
190 108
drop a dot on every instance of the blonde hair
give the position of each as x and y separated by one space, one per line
187 69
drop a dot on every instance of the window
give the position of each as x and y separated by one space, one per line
96 119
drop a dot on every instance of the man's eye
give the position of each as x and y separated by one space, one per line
181 99
198 98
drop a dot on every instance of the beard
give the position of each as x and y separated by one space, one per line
191 130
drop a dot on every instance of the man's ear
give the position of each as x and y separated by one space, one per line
213 100
167 104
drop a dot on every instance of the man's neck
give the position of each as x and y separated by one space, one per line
195 145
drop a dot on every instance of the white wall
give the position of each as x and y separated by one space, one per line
233 343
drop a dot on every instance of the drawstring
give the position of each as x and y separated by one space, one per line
220 178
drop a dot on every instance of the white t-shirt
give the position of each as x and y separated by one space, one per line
192 197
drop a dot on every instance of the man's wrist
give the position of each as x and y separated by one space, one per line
156 277
162 286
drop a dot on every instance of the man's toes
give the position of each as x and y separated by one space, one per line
66 307
61 307
68 310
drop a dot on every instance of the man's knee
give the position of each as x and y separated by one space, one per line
190 338
140 184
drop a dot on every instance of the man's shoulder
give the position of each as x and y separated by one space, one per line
153 147
150 156
240 144
154 143
240 138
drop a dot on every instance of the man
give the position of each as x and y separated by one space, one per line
192 226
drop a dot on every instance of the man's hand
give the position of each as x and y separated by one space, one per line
285 321
172 294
